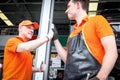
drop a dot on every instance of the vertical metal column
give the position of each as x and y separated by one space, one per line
43 52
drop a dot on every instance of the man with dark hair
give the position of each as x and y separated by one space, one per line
91 50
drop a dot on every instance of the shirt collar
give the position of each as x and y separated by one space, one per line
18 37
85 19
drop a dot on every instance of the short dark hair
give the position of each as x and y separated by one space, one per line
85 3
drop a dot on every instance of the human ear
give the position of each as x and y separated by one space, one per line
78 5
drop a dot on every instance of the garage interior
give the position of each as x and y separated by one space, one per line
12 12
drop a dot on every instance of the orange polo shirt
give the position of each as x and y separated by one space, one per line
93 29
16 65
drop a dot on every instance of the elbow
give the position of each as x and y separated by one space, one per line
116 54
26 48
64 60
29 49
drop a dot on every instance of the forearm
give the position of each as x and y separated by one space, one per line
60 50
34 69
108 64
109 58
31 45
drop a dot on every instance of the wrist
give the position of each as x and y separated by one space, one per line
35 69
47 38
38 70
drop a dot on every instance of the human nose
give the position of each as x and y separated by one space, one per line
66 11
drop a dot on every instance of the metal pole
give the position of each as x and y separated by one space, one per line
48 49
43 52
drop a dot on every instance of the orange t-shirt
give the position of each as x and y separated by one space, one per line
93 29
16 65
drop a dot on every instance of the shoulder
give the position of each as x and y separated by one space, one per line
12 40
98 17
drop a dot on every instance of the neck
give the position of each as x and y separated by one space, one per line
23 38
80 17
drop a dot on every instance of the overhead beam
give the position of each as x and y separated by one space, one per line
21 8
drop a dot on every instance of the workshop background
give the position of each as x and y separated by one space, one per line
12 12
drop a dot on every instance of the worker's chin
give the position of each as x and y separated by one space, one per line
70 18
29 37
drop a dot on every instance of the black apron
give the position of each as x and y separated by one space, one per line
80 63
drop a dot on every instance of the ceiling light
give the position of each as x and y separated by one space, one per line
5 19
93 7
